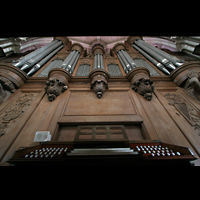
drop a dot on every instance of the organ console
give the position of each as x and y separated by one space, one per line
136 153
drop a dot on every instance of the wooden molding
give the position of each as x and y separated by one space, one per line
122 119
14 74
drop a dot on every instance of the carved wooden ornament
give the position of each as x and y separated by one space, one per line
140 81
57 83
99 81
14 74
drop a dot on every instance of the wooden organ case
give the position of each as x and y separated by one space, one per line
116 108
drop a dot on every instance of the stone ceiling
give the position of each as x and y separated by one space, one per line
88 41
24 44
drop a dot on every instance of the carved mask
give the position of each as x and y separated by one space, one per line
144 87
54 88
99 84
99 88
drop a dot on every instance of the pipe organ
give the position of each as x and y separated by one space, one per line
133 101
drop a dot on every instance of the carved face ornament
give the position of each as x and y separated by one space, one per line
99 88
144 87
99 84
54 88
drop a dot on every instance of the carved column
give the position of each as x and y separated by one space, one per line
99 77
140 82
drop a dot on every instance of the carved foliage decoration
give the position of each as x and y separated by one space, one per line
110 61
188 112
15 111
85 61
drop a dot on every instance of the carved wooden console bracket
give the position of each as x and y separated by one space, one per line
99 81
13 74
188 77
57 82
140 81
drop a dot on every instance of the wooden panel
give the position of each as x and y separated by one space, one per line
101 132
134 133
38 121
68 133
15 116
112 103
166 128
184 113
147 126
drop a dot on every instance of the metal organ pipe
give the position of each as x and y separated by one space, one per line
71 60
173 59
95 62
122 62
130 60
102 64
74 64
69 66
38 57
98 62
54 64
43 61
125 61
155 62
67 60
154 54
24 59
